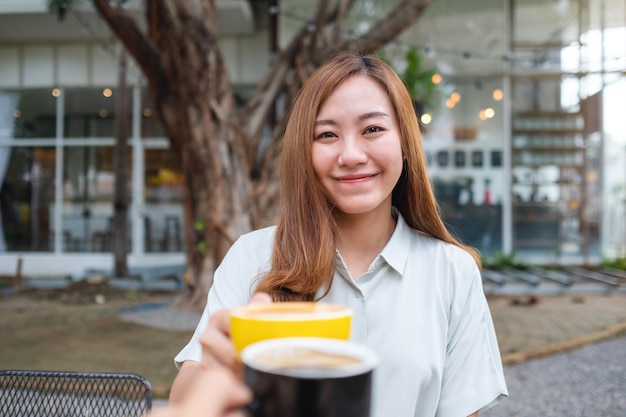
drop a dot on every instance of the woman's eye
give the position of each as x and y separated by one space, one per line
325 135
373 129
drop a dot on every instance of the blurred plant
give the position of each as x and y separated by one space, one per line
60 7
419 82
617 263
502 260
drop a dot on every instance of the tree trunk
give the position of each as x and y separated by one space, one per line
120 200
198 111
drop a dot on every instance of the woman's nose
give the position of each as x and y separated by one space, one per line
352 152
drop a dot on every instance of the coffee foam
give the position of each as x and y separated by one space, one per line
291 311
303 357
309 357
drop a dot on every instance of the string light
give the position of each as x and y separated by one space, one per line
107 92
498 94
426 118
429 49
56 92
487 113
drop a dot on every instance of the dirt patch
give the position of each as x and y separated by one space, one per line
86 292
78 328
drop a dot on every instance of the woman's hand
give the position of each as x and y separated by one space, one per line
214 393
217 347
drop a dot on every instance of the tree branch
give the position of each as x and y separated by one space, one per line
386 29
323 11
134 41
343 8
258 107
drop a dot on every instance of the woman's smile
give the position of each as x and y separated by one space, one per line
356 179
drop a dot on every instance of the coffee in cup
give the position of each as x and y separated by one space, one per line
256 322
309 377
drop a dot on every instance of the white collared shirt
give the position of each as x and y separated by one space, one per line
420 307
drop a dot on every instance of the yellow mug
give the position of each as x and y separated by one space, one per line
255 322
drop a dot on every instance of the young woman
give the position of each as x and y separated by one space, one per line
360 227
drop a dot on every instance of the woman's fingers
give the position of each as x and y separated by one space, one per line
216 344
261 298
217 347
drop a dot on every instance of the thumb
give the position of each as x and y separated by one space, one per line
261 298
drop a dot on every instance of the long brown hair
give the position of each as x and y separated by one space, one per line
303 259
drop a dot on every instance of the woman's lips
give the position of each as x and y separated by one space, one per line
355 179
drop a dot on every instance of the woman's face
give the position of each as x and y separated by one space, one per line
357 155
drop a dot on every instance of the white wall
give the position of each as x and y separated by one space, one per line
45 65
82 64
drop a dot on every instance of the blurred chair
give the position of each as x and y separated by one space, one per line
102 240
147 227
73 394
171 241
66 241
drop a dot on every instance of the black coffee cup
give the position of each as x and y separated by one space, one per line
309 377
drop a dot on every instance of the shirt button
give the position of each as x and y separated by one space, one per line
357 294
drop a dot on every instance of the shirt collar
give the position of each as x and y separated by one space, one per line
396 251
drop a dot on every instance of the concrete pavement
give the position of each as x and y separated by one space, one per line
533 326
527 326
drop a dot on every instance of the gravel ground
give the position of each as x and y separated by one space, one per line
586 382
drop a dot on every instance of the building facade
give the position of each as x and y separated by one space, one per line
526 141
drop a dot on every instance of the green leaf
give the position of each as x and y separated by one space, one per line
201 246
199 225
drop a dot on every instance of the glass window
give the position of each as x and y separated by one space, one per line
27 199
464 144
90 112
163 198
35 113
88 190
612 212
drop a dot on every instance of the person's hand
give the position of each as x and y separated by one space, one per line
214 393
217 347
